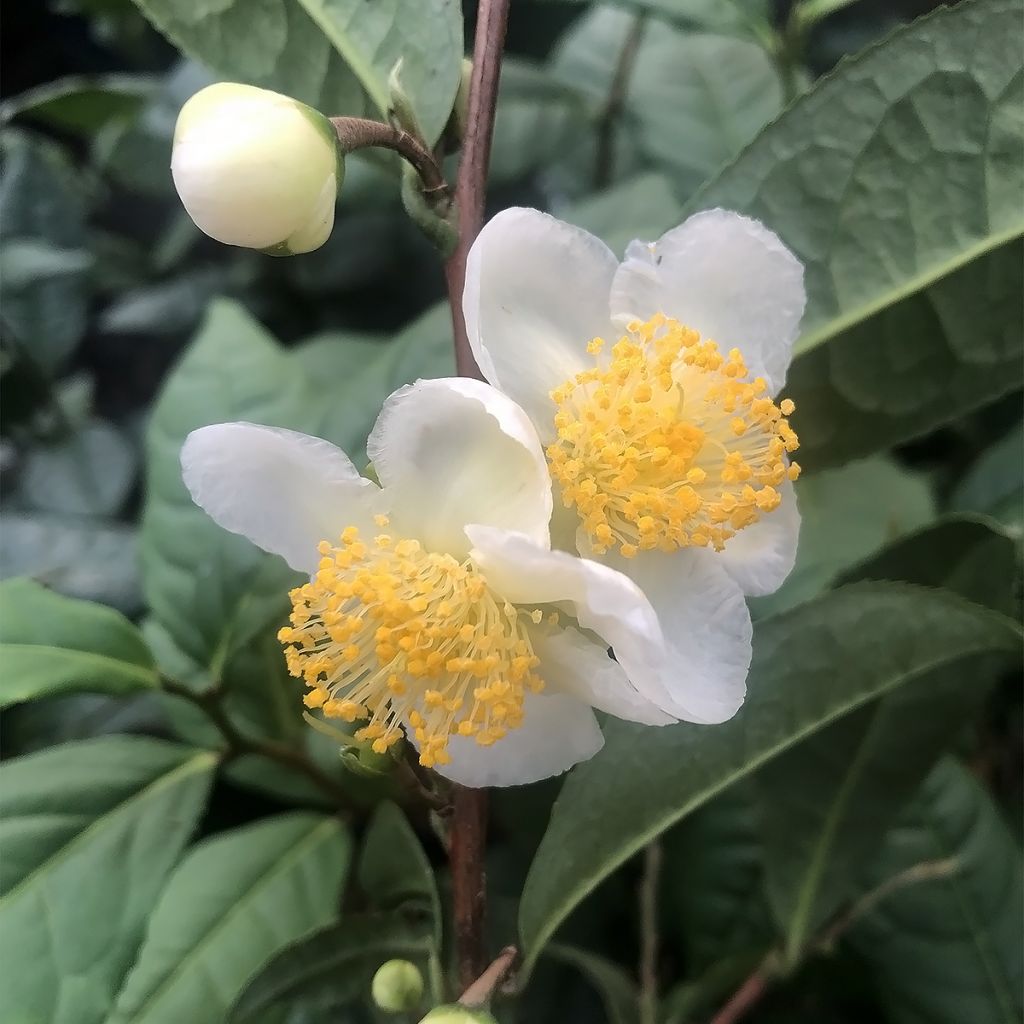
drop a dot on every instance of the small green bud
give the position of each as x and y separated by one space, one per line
397 986
456 1014
257 169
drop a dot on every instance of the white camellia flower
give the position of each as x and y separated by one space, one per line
435 603
257 169
651 383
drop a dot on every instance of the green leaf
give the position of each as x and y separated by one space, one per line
947 950
90 832
52 644
82 104
847 514
426 35
394 871
618 991
928 326
86 558
994 484
332 967
741 16
638 207
270 43
233 902
714 92
826 803
89 473
45 287
866 639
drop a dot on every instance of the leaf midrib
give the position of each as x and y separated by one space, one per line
146 675
295 854
194 764
588 883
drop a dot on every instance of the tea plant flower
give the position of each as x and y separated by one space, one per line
257 169
435 604
653 384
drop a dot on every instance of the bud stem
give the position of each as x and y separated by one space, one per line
359 133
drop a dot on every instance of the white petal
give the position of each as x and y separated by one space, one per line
456 451
572 662
707 631
726 276
761 556
283 490
536 294
603 600
558 731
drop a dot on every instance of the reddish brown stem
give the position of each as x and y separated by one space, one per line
482 990
471 183
469 895
743 999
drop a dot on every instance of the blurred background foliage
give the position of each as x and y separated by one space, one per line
123 327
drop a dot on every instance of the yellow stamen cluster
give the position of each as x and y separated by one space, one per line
667 444
387 632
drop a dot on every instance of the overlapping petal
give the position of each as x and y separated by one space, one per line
283 490
456 451
728 277
536 294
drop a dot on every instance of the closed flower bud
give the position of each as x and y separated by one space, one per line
397 986
257 169
455 1014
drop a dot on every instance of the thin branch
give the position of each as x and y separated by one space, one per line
471 185
745 997
648 900
210 702
479 992
360 133
467 840
604 160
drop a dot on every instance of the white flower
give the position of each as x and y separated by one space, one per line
257 169
435 602
652 384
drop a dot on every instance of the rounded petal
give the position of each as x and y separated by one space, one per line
570 662
761 556
283 490
558 731
707 630
536 294
726 276
456 451
602 600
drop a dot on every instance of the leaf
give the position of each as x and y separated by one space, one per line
920 312
394 871
52 644
332 967
426 35
233 902
617 990
994 484
826 803
42 215
90 832
80 557
270 43
89 473
846 515
947 950
865 639
742 16
715 92
81 104
638 207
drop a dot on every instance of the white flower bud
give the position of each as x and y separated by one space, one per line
257 169
455 1014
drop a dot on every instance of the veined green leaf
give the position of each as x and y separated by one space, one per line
994 484
233 902
866 639
90 831
51 644
946 949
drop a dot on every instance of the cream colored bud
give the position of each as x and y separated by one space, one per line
257 169
397 986
455 1014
